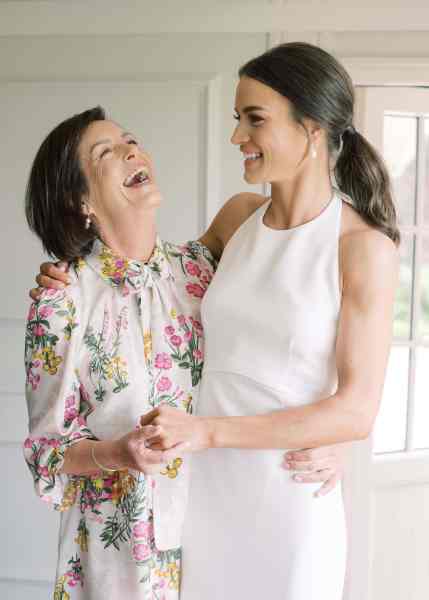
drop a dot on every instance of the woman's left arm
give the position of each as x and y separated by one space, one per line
370 271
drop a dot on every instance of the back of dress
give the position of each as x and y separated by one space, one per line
270 318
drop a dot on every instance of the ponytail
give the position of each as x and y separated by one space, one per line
360 173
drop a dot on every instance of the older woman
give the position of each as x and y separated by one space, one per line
124 337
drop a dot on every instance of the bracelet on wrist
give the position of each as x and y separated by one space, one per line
99 465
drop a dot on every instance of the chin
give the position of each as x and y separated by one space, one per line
253 178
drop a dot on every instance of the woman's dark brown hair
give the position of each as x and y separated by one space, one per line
320 89
56 187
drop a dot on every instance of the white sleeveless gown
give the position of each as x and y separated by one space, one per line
270 318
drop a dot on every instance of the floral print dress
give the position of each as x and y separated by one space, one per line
122 338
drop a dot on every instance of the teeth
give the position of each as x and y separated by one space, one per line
137 177
253 156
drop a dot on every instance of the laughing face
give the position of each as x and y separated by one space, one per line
119 173
274 145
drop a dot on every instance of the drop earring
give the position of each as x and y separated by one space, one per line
313 151
87 222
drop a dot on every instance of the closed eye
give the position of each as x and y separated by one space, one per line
105 151
254 119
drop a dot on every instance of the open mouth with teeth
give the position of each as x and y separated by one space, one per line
137 178
251 158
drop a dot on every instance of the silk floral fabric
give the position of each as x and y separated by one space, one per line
123 338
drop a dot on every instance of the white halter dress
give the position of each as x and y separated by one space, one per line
270 318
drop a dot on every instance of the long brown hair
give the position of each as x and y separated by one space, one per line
320 89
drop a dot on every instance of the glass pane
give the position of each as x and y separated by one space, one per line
400 148
391 422
402 318
421 414
426 167
424 290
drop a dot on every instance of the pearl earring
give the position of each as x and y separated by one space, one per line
87 222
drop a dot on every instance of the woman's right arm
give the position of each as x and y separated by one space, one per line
59 442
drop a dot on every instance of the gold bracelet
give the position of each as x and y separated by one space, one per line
101 466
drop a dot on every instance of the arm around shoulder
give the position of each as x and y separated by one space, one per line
229 218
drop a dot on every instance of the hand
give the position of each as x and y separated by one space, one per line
176 429
133 451
52 275
325 464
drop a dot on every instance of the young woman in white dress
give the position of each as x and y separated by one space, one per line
298 323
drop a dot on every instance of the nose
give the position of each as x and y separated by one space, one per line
130 152
239 136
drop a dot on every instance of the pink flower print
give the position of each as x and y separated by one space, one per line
83 393
54 443
45 311
188 336
143 529
28 443
198 327
31 313
43 471
163 384
163 361
195 290
70 414
181 320
169 330
70 401
176 340
141 552
50 292
193 269
38 330
198 354
119 264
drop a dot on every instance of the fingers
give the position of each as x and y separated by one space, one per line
327 487
55 271
324 475
149 417
47 282
35 293
315 465
309 454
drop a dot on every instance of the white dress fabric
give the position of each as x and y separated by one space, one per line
270 318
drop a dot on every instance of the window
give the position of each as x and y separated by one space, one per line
403 421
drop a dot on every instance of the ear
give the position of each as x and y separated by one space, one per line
313 129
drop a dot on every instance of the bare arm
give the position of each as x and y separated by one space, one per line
370 267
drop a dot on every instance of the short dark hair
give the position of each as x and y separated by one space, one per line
56 185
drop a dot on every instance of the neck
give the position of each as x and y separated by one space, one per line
132 238
301 200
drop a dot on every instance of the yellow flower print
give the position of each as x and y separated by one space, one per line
124 485
174 575
50 360
147 342
79 264
98 483
187 403
69 496
172 470
173 313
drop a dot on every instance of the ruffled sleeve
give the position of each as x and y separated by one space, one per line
57 403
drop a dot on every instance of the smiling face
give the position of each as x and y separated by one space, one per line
274 145
119 173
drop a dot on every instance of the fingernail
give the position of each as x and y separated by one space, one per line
287 465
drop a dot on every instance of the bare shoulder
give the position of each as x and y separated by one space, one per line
229 218
368 257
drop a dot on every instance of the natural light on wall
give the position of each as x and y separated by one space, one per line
403 422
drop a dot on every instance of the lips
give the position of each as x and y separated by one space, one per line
138 177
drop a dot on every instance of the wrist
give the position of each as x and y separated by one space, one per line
107 454
210 434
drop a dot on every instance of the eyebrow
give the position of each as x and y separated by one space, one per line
108 140
250 109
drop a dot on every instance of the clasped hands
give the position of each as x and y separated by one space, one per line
169 432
